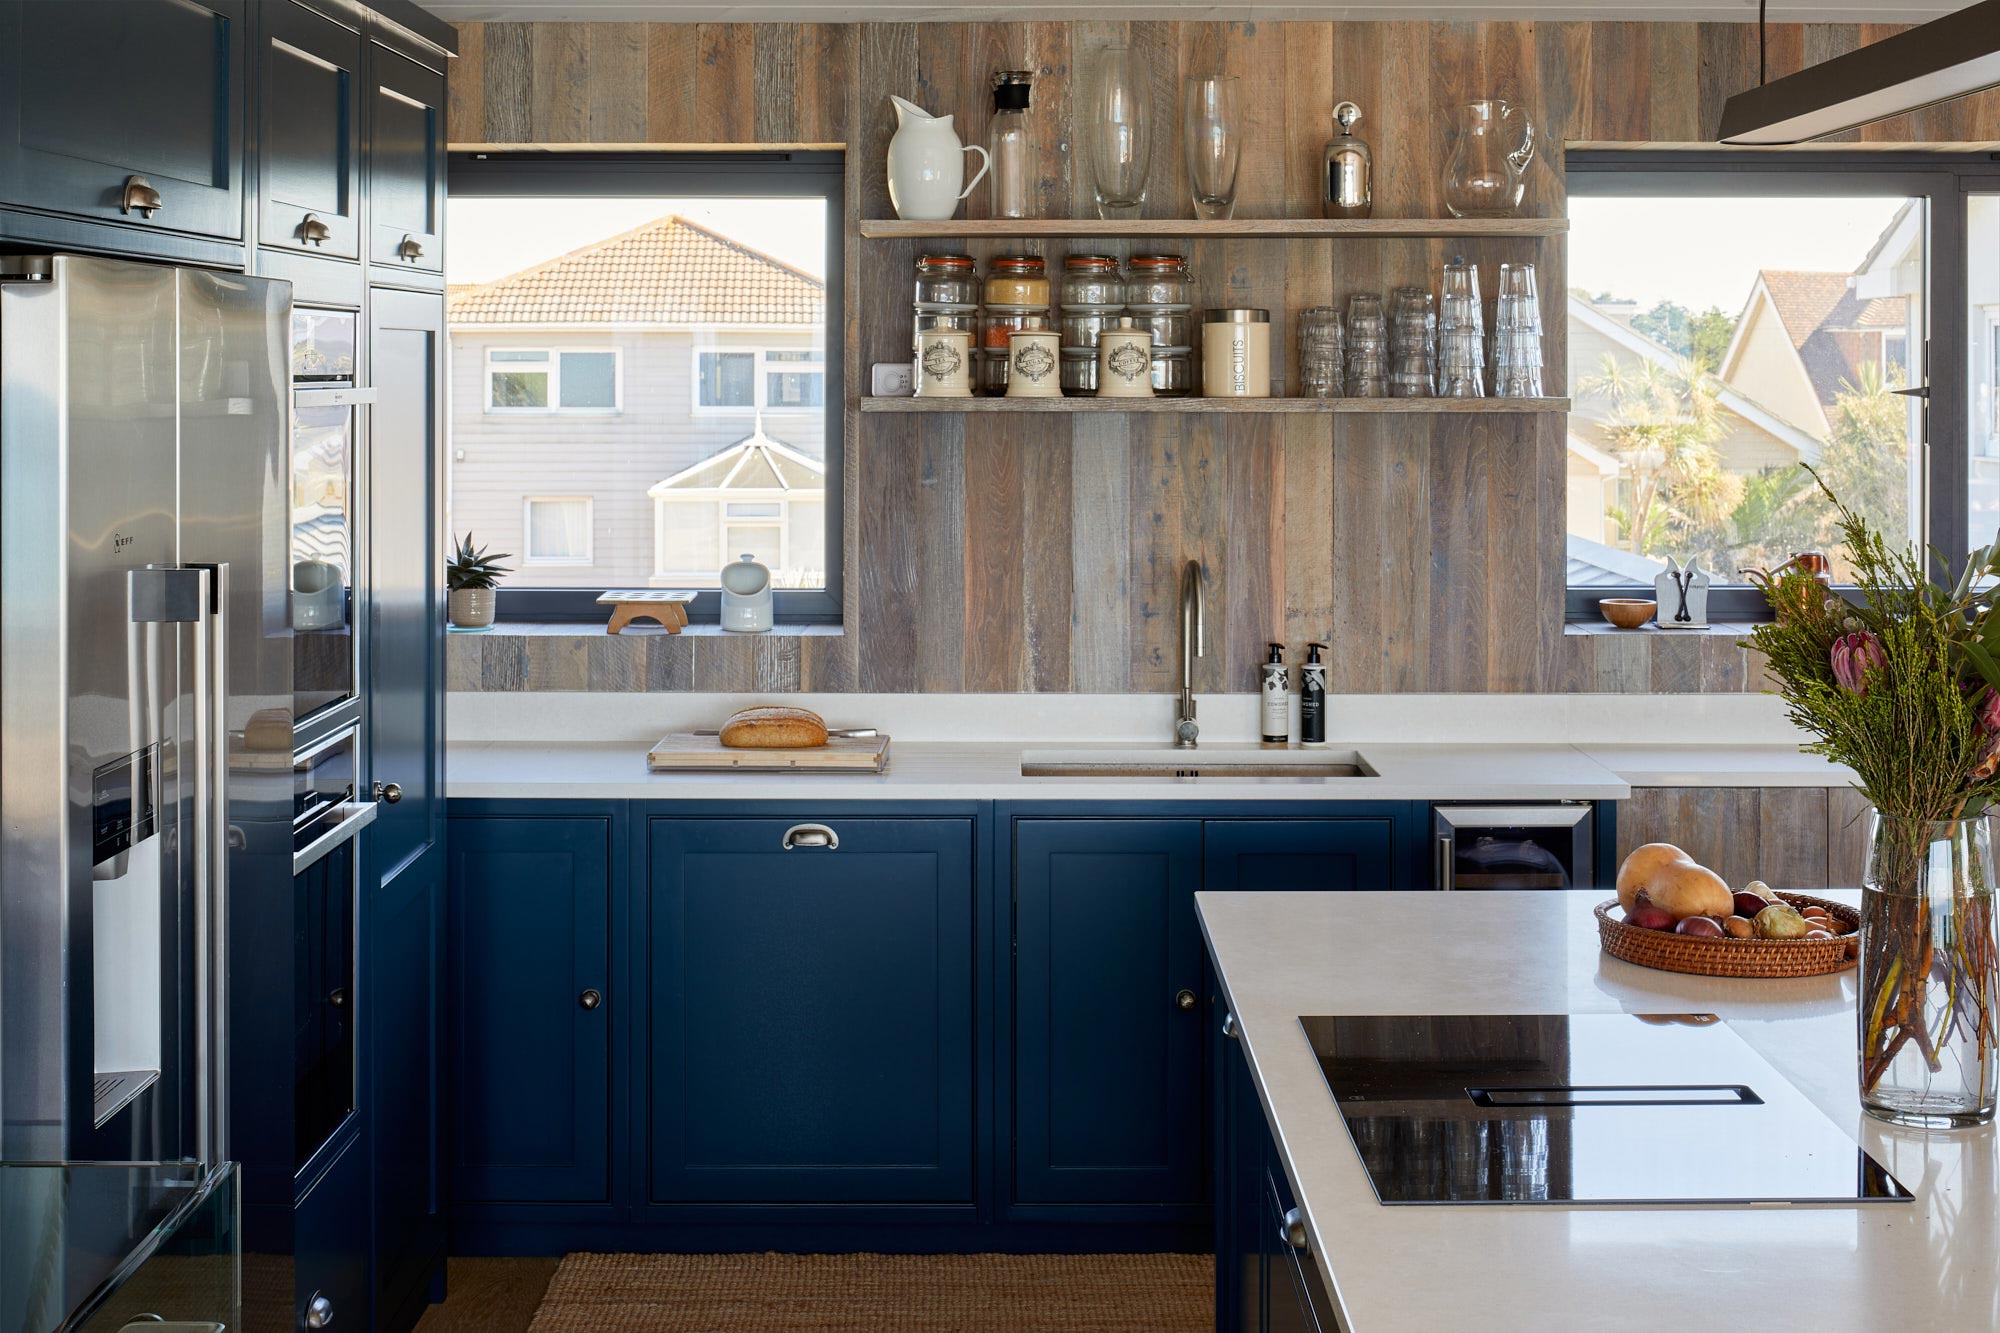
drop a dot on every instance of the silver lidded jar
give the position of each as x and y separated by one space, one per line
1349 190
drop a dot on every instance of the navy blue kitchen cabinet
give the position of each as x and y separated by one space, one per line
810 1010
529 1004
332 1244
1108 1004
1311 854
1267 1280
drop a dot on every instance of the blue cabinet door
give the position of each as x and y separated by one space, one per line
1317 854
1108 1005
332 1232
810 1011
529 938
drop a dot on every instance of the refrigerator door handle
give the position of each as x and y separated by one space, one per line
211 865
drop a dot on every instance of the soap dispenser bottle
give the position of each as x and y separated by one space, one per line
1312 697
1276 687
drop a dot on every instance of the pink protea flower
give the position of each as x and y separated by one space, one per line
1989 712
1855 657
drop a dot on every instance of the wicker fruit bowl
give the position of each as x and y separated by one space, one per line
1730 957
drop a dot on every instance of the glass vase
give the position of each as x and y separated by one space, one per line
1117 124
1929 981
1211 138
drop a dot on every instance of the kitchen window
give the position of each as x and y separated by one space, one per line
540 380
644 389
558 530
1726 325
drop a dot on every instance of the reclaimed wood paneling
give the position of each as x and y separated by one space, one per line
1801 838
1015 553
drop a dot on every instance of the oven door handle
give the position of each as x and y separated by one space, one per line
356 815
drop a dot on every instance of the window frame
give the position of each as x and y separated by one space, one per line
1943 180
554 371
589 556
773 174
761 366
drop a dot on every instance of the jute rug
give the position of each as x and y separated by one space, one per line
880 1293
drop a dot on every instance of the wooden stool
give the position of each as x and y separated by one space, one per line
629 605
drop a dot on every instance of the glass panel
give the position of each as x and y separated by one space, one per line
558 529
590 379
322 645
1983 343
726 379
795 390
1715 344
694 336
322 344
761 542
756 509
520 388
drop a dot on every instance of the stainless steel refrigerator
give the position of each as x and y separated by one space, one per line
144 631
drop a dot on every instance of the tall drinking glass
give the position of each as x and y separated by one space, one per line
1212 141
1117 121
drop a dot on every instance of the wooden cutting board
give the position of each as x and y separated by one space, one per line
685 752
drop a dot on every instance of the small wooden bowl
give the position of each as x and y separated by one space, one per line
1627 612
1708 956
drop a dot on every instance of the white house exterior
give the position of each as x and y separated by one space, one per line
580 385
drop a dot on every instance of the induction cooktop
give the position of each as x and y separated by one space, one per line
1582 1108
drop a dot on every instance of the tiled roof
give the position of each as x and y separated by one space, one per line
669 271
1813 307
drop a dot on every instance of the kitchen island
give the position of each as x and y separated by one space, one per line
1931 1263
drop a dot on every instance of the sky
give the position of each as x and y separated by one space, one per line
491 238
1704 252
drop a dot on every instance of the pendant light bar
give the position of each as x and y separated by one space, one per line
1947 58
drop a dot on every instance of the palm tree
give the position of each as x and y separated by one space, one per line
1663 426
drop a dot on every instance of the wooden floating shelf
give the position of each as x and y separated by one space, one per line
1278 228
1170 406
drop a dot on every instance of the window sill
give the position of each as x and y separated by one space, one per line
1736 629
585 630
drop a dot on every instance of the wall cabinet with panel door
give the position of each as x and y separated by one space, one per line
309 149
126 112
529 1006
809 1009
405 691
406 167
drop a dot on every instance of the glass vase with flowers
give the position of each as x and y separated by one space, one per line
1902 685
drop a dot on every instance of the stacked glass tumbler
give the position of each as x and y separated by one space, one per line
1412 343
1367 347
1517 335
1322 350
1461 369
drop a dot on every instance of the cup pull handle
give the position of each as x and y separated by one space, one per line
810 835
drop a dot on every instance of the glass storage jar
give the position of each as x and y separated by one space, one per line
1158 280
1092 280
1018 280
946 279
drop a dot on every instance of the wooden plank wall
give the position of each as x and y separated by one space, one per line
1790 837
1042 553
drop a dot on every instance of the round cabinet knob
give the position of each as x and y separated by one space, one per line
1293 1229
1229 1028
1184 998
319 1310
590 999
388 793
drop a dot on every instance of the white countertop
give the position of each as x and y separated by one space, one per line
984 772
1931 1264
1719 766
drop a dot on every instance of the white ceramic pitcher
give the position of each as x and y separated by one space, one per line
927 164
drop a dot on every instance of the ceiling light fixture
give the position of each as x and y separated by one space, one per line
1954 56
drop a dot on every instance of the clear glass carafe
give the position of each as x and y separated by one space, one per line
1491 148
1929 981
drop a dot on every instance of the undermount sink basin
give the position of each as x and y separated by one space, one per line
1217 763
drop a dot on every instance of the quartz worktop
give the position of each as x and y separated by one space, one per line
945 771
1932 1263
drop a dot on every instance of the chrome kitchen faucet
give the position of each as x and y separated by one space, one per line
1193 615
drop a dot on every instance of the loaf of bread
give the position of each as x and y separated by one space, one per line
772 727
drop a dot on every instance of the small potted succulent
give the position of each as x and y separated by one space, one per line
471 576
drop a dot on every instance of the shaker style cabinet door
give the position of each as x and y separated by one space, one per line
405 162
310 148
1313 854
126 111
1108 1012
529 1008
810 1010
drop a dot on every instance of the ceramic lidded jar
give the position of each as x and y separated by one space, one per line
1034 363
1125 361
944 363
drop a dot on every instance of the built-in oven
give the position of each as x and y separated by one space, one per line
325 890
326 405
1509 846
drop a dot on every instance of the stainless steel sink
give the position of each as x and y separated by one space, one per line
1220 762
